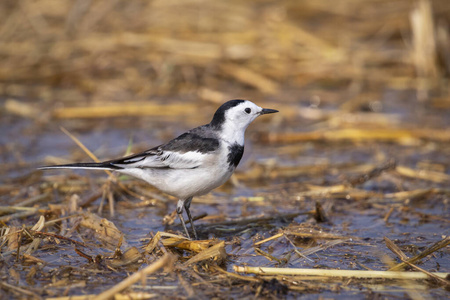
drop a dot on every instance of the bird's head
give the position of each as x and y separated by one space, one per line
234 116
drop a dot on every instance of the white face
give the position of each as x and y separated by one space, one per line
240 116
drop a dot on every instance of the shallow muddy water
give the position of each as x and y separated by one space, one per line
275 186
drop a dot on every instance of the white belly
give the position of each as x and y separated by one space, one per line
185 183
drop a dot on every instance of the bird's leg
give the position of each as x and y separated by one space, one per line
180 206
187 205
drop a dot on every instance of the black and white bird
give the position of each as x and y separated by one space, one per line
194 163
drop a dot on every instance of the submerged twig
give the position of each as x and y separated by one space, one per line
60 237
296 250
268 256
375 172
322 247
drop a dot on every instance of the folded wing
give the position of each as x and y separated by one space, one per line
187 151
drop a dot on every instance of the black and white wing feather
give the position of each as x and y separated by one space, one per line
187 151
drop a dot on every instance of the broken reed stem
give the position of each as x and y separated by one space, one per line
423 174
359 134
234 275
186 286
166 260
433 248
19 290
33 200
107 191
375 172
268 256
18 215
11 209
443 281
215 252
132 109
83 147
269 239
125 296
335 273
395 249
388 215
247 76
322 247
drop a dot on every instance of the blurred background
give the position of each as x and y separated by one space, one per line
358 83
343 56
65 61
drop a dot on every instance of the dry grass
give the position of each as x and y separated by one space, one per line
119 50
339 74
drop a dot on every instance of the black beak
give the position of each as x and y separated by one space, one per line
268 111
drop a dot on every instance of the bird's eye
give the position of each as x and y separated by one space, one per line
248 110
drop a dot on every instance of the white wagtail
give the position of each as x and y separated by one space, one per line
194 163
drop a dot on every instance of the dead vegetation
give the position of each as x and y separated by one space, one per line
346 192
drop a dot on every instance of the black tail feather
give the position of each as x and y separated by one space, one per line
100 166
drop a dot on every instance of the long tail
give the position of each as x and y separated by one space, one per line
91 166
